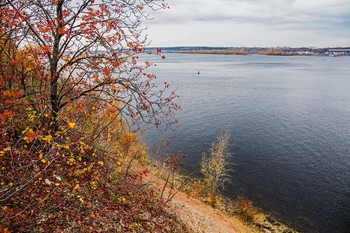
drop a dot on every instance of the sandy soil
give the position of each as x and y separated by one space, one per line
197 216
202 218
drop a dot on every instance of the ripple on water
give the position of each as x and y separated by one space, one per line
289 121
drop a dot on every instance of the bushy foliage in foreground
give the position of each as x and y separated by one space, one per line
71 88
69 183
75 179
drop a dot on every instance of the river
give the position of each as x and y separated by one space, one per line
289 120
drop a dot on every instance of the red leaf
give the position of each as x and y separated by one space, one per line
106 71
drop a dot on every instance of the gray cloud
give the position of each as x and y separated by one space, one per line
298 18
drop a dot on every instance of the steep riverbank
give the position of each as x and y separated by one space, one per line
199 217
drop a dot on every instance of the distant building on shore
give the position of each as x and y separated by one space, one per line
338 52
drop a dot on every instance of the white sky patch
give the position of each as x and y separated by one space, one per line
269 23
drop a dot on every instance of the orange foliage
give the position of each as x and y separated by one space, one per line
4 230
69 77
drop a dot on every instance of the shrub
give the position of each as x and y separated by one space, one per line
215 168
245 209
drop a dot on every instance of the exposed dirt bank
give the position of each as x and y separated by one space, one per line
202 218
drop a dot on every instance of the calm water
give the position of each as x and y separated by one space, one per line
289 119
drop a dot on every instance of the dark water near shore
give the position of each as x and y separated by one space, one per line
289 119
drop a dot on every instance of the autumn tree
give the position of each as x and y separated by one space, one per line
88 49
69 72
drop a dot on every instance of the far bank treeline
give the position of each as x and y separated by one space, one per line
273 51
245 52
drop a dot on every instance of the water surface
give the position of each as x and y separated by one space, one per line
289 119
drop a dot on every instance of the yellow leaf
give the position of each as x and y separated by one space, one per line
119 169
71 125
48 138
77 186
81 199
43 160
100 162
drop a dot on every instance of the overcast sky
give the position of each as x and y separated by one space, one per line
266 23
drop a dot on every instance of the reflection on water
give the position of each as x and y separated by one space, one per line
289 118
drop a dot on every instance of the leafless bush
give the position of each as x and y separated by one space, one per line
215 167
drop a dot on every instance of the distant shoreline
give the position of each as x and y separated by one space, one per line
242 52
278 51
262 53
226 52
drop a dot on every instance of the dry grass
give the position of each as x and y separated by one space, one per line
245 209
